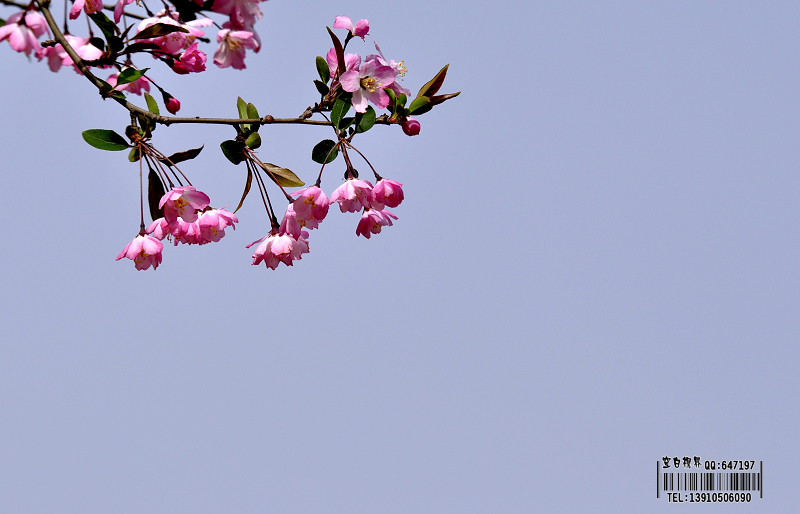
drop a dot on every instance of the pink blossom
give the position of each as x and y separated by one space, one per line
174 42
213 222
36 22
90 6
276 248
351 61
243 13
22 34
411 126
183 202
158 229
231 51
372 221
360 29
118 9
367 85
57 56
311 206
186 232
289 223
353 195
136 87
192 60
144 251
399 68
387 192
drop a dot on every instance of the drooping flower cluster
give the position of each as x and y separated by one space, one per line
188 219
356 194
289 241
22 29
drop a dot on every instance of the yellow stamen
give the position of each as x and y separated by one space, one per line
370 84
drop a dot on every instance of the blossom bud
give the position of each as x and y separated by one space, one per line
171 103
179 68
411 126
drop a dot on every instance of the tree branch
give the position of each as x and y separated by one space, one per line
102 87
15 4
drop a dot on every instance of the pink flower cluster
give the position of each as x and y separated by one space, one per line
178 49
180 45
289 242
187 219
23 29
238 33
356 194
368 81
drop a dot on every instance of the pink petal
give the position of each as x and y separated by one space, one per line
343 22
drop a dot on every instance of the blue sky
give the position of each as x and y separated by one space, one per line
595 266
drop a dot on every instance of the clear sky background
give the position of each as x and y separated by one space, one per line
596 265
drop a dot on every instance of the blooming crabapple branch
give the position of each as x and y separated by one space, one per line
183 214
157 118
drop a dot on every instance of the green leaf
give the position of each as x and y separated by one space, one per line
282 176
152 105
115 44
392 99
325 151
97 43
139 47
124 34
105 140
253 141
134 156
420 105
108 27
155 191
107 91
323 69
146 126
252 112
183 156
337 46
241 105
246 188
158 30
346 122
338 111
367 120
321 87
233 150
432 86
129 75
401 100
2 22
436 100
